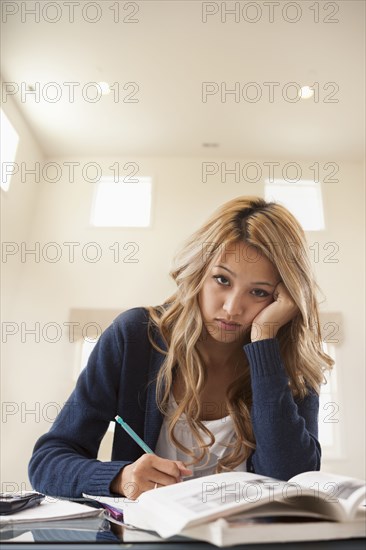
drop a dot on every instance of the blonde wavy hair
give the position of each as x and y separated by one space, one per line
275 233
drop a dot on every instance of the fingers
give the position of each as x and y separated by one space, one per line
282 296
149 472
272 317
280 290
183 469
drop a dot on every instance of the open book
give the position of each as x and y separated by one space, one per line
229 508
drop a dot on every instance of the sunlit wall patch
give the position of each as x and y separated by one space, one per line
122 203
303 198
9 143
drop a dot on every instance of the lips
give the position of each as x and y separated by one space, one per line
226 325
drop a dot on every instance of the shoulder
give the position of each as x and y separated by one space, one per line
135 326
133 315
132 321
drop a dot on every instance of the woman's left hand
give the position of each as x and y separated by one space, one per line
267 323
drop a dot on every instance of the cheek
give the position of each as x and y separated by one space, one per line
208 298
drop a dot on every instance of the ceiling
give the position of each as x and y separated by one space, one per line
168 53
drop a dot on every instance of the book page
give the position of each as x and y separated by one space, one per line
275 509
348 492
169 509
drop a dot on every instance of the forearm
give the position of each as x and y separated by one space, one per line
285 431
56 470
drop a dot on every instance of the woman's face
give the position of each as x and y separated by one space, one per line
239 285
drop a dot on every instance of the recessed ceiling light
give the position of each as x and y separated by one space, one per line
306 92
105 89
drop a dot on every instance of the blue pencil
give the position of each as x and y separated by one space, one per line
134 435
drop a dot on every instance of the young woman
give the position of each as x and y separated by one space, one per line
223 376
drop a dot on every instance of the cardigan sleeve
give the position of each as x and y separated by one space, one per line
285 429
64 461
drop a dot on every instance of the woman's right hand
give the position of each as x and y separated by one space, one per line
148 472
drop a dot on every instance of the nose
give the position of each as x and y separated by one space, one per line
234 305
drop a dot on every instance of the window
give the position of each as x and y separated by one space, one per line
87 347
9 144
121 203
303 199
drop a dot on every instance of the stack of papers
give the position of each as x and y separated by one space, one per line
51 509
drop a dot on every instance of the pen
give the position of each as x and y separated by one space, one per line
134 435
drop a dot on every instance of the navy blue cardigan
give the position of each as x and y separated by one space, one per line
120 379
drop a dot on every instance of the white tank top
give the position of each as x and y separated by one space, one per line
222 429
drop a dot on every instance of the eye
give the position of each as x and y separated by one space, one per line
221 280
259 293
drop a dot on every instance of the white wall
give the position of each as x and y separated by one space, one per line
18 206
40 374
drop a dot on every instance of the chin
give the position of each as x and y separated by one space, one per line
228 337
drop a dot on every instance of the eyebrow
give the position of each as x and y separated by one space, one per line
252 283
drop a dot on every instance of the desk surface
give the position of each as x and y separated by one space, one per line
354 544
103 535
